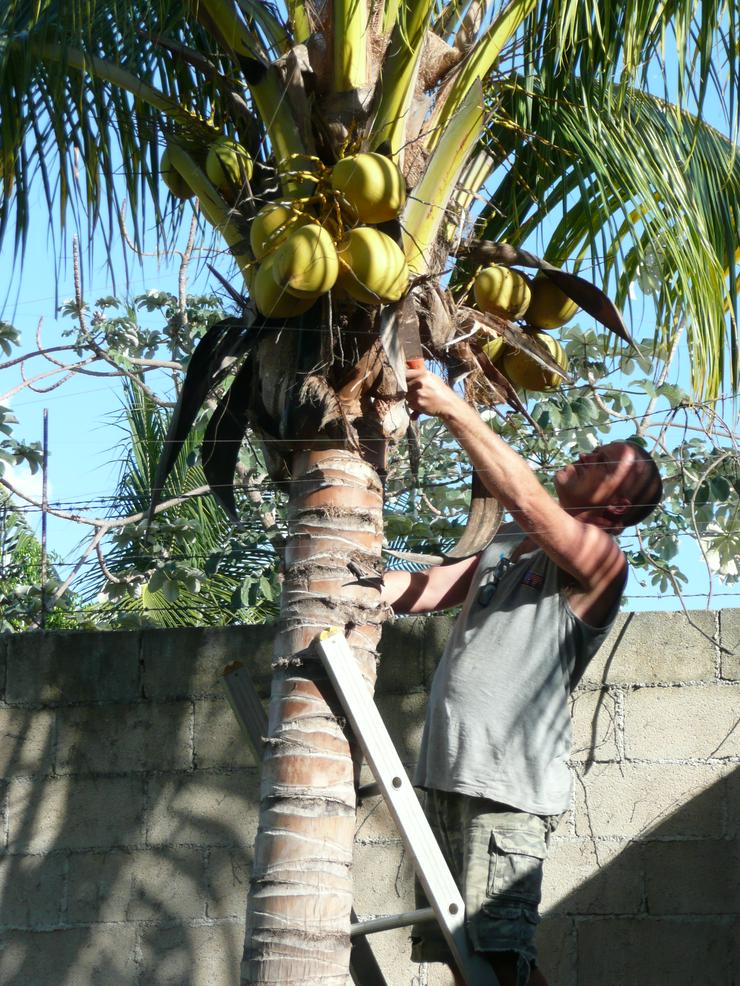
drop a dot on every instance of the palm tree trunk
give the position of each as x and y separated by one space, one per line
301 887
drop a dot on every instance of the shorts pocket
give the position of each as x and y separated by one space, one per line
515 866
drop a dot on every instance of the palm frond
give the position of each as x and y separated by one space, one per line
636 42
87 100
639 179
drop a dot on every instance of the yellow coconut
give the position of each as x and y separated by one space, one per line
272 225
526 373
502 291
492 346
228 164
306 264
550 307
372 266
372 185
173 179
272 300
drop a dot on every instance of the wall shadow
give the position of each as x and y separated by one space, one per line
117 843
664 908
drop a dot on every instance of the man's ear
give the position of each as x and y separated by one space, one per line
615 511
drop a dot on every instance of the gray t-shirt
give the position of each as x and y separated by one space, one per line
498 721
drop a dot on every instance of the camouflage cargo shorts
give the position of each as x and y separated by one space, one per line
495 853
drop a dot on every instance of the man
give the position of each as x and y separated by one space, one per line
536 606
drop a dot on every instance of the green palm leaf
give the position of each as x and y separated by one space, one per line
636 180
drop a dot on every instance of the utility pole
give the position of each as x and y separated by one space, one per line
44 507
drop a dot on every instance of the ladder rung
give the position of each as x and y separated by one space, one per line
403 920
371 790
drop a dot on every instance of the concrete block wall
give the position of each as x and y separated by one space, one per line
128 808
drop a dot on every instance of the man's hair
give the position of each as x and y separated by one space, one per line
647 489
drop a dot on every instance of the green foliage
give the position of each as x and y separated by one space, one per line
190 565
14 451
22 593
693 447
591 156
194 567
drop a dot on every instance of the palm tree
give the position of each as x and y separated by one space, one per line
519 121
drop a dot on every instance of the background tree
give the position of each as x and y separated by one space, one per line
189 565
542 108
24 592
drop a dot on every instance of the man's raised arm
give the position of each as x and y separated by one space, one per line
584 550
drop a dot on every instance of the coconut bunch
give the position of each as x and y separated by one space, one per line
305 247
537 302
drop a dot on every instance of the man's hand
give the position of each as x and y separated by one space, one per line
429 394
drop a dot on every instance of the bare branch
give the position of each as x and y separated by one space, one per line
105 570
106 524
677 590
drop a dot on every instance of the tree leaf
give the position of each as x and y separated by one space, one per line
229 337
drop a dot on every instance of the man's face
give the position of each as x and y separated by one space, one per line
601 478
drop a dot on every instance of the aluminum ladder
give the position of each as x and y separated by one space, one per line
447 906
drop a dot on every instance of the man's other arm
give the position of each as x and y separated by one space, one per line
436 588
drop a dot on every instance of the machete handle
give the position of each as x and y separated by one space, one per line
417 363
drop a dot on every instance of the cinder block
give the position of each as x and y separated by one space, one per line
403 716
26 741
592 877
383 879
645 648
73 957
204 809
122 738
165 885
403 647
556 950
31 890
228 872
218 737
205 955
690 722
640 800
729 630
4 786
653 951
432 974
189 662
594 726
392 950
75 813
694 877
72 667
